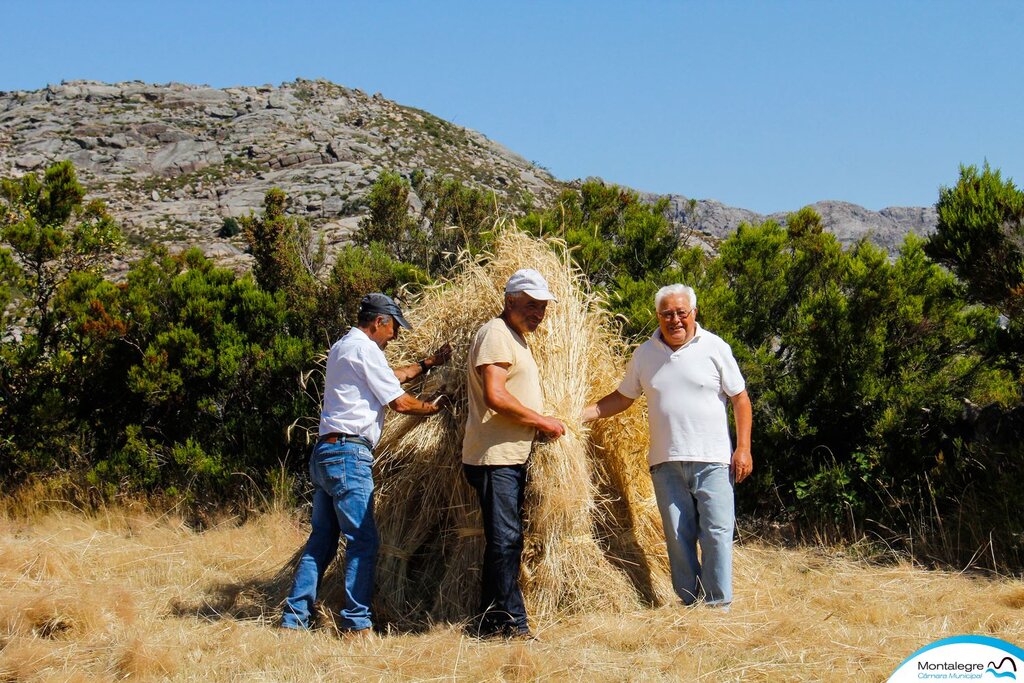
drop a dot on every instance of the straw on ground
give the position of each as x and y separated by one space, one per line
117 594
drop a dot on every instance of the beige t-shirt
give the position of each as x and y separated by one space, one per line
490 438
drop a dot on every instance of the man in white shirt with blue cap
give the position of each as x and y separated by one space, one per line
359 384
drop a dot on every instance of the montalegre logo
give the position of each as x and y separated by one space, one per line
963 658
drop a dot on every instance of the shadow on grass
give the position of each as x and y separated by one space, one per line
256 598
261 599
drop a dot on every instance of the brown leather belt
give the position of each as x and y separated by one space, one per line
338 437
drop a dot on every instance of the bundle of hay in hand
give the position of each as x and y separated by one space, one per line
593 534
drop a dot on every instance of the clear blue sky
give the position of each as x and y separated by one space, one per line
763 105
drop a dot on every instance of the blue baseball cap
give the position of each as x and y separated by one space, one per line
384 305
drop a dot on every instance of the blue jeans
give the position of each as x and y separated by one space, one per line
342 504
696 504
500 489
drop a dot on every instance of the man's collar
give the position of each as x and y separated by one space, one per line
361 332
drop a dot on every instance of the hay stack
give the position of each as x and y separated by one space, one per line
593 535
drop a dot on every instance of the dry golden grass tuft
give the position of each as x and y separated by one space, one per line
139 659
143 597
1013 597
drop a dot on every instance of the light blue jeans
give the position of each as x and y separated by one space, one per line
696 504
342 504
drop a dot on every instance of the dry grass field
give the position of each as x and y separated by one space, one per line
119 595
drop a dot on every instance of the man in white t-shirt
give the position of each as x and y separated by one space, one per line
505 415
359 384
689 375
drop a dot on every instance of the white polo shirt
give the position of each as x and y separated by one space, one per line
358 385
686 391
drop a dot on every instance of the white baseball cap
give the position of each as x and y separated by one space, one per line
532 283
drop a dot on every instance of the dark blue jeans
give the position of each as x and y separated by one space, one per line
500 489
342 504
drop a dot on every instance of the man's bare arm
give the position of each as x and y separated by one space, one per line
499 399
612 404
742 461
409 372
410 405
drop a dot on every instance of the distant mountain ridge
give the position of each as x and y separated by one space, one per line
172 161
848 222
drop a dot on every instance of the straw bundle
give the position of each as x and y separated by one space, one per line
633 524
566 566
592 532
634 531
425 511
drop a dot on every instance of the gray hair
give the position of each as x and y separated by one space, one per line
672 290
364 318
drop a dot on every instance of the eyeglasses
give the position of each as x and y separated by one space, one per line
679 313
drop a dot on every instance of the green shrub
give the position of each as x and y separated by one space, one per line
229 228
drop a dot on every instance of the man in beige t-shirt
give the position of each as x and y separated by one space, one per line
505 404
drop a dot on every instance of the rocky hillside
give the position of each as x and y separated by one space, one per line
173 161
849 222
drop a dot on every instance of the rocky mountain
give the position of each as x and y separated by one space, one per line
173 161
848 222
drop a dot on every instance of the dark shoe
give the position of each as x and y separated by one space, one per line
485 629
507 633
487 635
